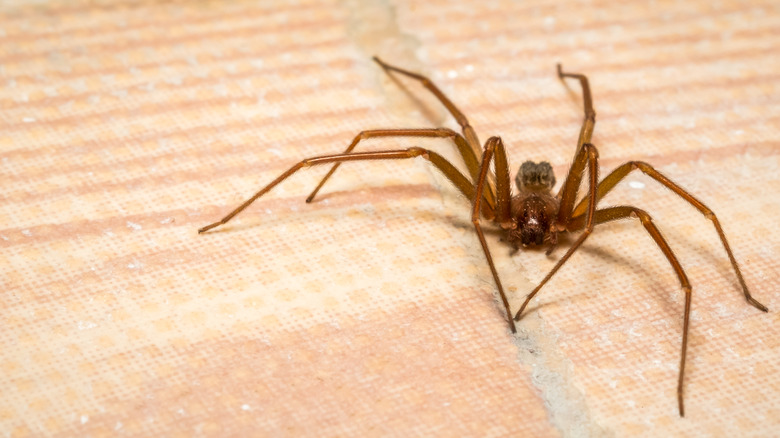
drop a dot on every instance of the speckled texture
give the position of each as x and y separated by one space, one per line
128 125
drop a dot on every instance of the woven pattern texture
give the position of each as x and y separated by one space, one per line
127 125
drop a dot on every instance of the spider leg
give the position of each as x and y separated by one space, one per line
586 132
460 142
457 178
613 213
468 130
503 192
621 172
571 185
494 145
490 146
590 154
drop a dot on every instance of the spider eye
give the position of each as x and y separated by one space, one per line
535 176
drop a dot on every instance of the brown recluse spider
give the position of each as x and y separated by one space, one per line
534 216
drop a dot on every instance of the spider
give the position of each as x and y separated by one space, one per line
534 216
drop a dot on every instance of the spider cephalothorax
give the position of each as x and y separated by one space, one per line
534 219
534 215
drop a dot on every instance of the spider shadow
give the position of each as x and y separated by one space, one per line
426 110
570 91
607 256
643 279
277 212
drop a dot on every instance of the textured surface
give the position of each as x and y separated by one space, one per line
128 125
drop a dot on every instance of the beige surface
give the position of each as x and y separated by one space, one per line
126 126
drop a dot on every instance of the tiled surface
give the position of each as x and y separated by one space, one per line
128 125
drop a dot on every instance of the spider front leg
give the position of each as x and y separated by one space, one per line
622 171
588 154
468 131
494 146
589 122
457 178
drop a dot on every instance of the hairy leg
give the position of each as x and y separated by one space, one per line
457 178
615 213
622 171
463 147
493 146
586 132
468 131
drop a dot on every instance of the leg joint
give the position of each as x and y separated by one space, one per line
641 215
415 151
447 131
591 149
